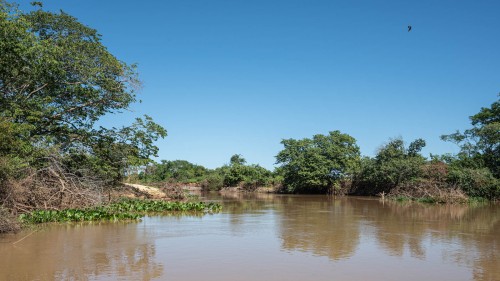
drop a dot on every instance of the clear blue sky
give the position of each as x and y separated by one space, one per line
238 76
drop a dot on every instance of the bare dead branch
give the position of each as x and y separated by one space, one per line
36 90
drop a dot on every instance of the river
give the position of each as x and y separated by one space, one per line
269 237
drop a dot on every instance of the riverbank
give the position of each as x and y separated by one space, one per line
416 192
126 202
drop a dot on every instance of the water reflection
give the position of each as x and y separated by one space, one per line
324 227
86 252
271 237
466 235
471 232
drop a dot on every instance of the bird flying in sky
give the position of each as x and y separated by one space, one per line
409 28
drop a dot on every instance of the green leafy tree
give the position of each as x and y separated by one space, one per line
237 159
177 170
248 176
57 80
480 145
393 165
396 164
317 164
475 182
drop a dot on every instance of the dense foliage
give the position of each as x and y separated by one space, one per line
318 164
176 171
476 168
393 165
239 174
480 145
57 80
327 163
473 172
332 163
236 173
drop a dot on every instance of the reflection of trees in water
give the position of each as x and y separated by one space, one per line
82 253
487 267
247 203
484 225
476 228
317 224
397 227
322 226
243 207
332 227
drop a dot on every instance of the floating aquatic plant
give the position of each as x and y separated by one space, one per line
125 209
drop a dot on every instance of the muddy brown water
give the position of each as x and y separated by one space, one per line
270 237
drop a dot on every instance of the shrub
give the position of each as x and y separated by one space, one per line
475 182
213 182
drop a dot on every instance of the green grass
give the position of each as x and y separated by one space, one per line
125 209
402 199
428 200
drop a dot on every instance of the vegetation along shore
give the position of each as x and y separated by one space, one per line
57 80
332 164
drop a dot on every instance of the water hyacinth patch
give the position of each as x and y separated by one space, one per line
75 215
125 209
154 206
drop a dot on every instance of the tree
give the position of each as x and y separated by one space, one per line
237 159
248 176
177 170
317 164
56 80
393 165
56 75
480 145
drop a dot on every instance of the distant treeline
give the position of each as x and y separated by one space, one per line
236 173
332 164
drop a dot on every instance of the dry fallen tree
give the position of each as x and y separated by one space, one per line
51 187
174 190
430 189
8 222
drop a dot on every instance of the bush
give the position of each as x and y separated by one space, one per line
178 170
393 166
475 182
213 182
